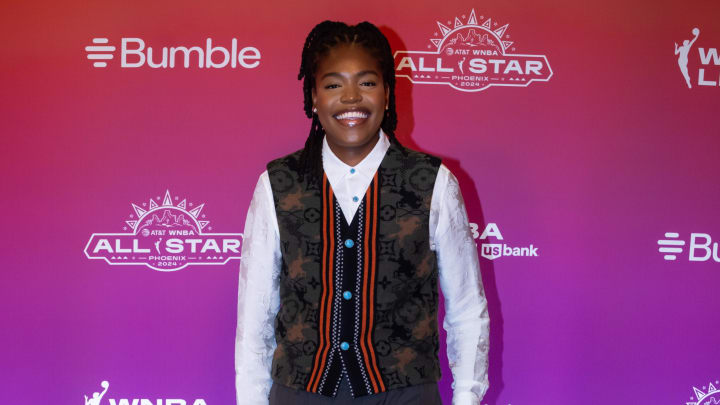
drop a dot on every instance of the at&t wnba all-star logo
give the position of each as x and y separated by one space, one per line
472 54
710 396
165 235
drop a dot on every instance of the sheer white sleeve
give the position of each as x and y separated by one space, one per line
258 298
466 316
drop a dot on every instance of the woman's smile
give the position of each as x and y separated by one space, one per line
352 117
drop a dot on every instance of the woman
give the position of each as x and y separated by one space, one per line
344 245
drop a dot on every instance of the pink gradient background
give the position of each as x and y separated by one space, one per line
592 167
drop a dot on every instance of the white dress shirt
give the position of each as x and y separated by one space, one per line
466 316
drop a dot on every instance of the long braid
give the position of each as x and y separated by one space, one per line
321 39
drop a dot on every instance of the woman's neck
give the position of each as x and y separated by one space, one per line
351 156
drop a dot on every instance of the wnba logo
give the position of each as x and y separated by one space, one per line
97 397
708 58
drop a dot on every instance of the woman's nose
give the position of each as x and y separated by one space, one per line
351 94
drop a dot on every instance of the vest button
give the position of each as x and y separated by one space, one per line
349 243
344 345
347 295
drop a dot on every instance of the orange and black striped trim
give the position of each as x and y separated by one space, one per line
368 285
326 271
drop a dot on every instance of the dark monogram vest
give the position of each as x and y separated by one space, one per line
361 299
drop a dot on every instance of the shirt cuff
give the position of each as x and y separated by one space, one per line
465 398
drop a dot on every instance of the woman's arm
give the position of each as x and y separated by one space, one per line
258 298
466 315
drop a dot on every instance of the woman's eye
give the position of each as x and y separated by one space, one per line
332 86
368 83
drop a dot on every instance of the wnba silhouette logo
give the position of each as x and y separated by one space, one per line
165 235
708 58
472 54
96 396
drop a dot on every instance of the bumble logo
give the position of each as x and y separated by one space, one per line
135 53
100 52
492 251
700 249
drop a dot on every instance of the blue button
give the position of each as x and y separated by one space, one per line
344 345
349 243
356 199
352 170
347 295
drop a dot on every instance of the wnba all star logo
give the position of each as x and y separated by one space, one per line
710 397
472 54
166 235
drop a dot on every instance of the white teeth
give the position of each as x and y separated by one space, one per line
351 115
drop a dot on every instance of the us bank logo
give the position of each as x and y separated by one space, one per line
711 396
471 54
134 53
96 399
492 251
700 247
165 235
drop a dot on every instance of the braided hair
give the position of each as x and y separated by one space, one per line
322 38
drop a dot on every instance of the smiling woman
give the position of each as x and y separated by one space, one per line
346 69
342 258
350 98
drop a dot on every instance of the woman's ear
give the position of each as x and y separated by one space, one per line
387 96
313 92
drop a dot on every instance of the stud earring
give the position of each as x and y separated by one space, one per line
315 110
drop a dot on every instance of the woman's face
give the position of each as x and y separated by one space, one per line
350 97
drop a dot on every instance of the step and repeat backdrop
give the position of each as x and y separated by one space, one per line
585 136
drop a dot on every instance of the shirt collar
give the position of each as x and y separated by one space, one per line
336 169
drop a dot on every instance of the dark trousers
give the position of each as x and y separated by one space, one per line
423 394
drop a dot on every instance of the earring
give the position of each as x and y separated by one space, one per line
315 110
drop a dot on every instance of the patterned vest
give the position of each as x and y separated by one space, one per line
360 299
